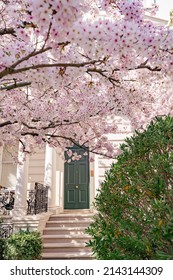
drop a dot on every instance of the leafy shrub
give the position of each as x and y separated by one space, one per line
134 206
2 245
24 245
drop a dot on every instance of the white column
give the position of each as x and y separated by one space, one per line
58 181
20 206
96 175
50 177
62 190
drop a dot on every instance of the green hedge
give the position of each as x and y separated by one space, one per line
23 245
134 205
2 245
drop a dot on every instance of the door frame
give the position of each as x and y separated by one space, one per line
88 176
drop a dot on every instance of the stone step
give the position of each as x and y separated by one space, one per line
78 211
69 223
65 245
65 248
62 230
64 236
58 238
72 256
71 217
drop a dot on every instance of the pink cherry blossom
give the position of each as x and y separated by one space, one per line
67 68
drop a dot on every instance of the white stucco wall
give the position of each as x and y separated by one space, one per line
36 168
8 168
103 164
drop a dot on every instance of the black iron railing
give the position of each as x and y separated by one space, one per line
37 199
7 199
6 230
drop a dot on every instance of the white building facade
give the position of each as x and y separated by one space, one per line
69 186
47 167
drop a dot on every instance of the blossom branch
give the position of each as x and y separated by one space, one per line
6 123
15 85
5 31
102 73
52 136
12 70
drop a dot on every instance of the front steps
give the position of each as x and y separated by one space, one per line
64 236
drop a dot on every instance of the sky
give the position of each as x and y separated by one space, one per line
165 6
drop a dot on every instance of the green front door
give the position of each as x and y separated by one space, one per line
76 181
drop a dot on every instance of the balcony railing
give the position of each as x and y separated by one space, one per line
37 199
7 198
6 230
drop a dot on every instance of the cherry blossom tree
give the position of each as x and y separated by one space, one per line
68 67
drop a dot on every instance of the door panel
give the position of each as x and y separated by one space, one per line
76 182
71 196
71 173
82 196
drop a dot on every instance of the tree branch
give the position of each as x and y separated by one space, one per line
102 73
50 125
15 85
7 123
11 70
33 53
155 69
141 66
5 31
47 37
87 149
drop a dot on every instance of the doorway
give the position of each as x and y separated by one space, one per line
76 180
